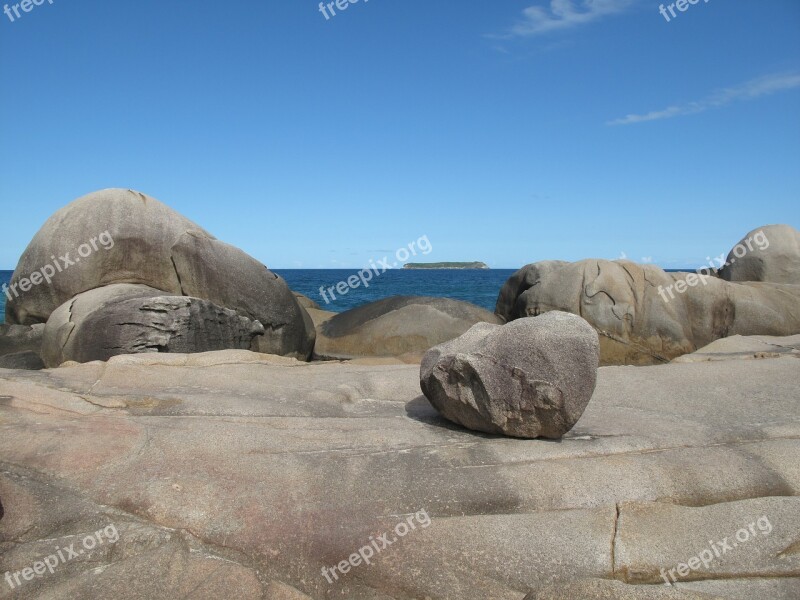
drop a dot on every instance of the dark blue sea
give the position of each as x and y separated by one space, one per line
5 278
478 286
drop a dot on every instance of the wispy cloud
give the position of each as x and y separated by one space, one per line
564 14
755 88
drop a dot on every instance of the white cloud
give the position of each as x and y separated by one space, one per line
564 14
755 88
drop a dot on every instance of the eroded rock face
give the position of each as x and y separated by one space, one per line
21 346
518 283
141 234
20 338
397 326
645 315
122 236
27 360
228 277
769 254
530 378
130 319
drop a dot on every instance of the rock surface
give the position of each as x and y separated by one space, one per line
139 240
509 306
234 470
396 326
20 338
604 589
21 346
530 378
306 302
640 312
263 470
745 347
22 360
129 319
770 253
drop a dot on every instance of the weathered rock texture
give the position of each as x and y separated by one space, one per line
306 302
745 347
21 346
641 315
148 243
129 319
397 326
530 378
770 253
236 473
22 360
20 338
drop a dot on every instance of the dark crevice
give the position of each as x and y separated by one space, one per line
178 275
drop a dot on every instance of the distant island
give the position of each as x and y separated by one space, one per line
447 265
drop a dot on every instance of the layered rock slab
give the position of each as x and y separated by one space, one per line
129 319
291 467
745 347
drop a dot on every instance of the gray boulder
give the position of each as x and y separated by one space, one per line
17 338
519 282
131 319
530 378
770 254
396 326
645 315
122 236
228 277
30 361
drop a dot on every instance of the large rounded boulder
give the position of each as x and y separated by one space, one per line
118 236
530 378
398 326
645 315
768 254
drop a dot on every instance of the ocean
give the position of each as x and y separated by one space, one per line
5 278
478 286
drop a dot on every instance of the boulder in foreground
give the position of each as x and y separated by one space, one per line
530 378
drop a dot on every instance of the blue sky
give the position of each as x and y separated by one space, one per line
507 132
